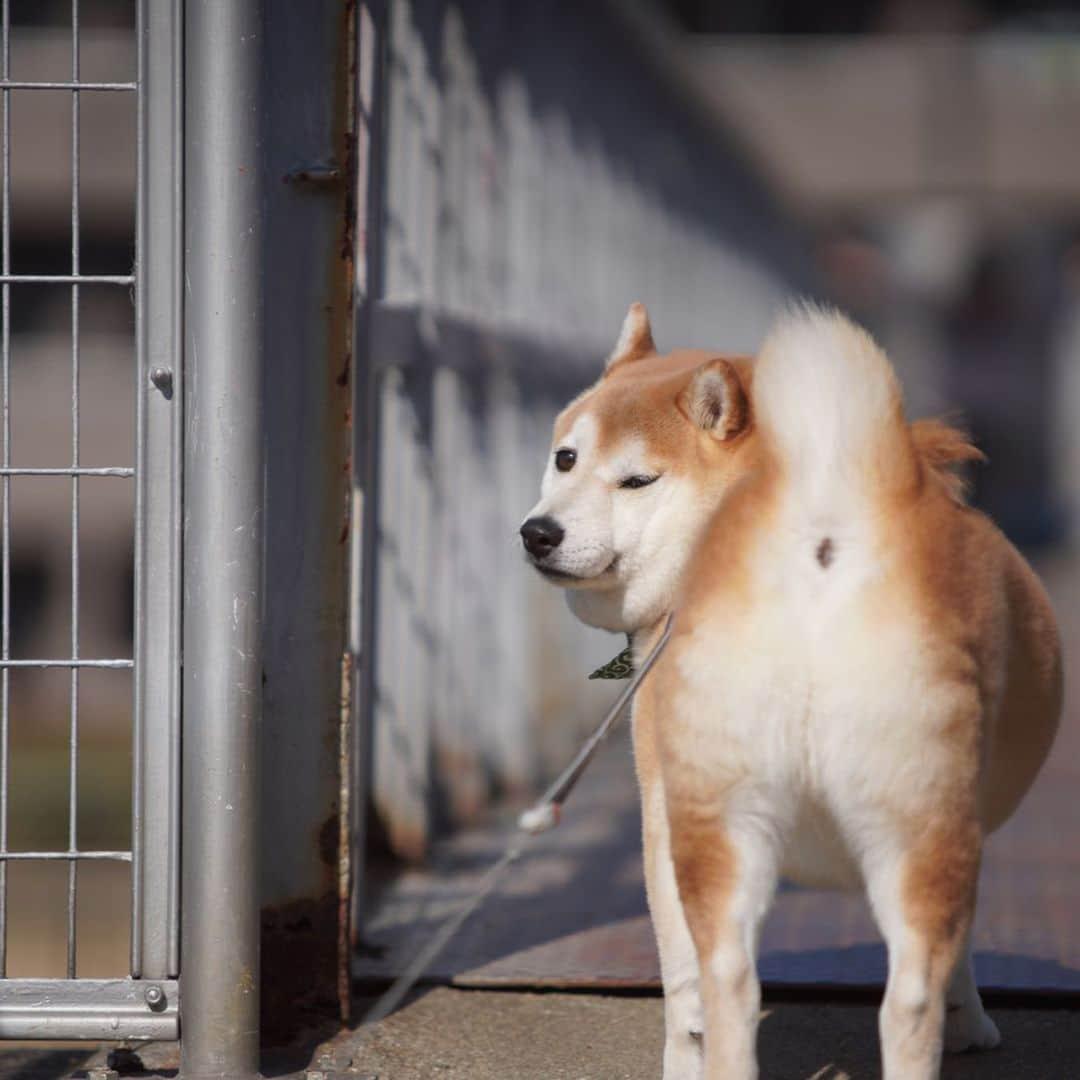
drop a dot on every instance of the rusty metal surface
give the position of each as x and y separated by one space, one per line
573 914
307 331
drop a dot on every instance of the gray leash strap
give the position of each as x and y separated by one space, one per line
395 994
543 815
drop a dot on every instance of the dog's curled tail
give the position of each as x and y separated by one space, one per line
830 409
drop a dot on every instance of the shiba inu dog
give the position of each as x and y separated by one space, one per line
862 681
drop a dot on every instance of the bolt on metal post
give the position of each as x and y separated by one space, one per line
162 379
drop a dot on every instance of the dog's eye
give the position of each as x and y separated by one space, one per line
564 460
635 482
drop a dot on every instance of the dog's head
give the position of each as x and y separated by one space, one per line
638 465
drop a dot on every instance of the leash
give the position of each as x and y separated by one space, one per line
543 815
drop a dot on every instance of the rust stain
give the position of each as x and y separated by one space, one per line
344 841
348 143
347 508
305 942
346 366
328 841
299 944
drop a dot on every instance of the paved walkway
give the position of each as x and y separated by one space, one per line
450 1034
571 913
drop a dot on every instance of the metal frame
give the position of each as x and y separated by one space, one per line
89 1009
223 557
78 1008
155 943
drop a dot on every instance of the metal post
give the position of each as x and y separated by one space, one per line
223 540
155 933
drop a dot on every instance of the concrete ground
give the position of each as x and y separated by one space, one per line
451 1034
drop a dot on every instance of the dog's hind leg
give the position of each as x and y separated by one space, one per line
923 896
967 1027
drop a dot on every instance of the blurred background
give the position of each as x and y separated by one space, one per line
541 166
926 148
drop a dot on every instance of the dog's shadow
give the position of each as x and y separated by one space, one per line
830 1034
1014 978
834 1042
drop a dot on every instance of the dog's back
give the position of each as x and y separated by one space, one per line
852 639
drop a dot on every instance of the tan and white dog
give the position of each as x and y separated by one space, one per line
863 678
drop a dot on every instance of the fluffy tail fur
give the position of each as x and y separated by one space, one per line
828 405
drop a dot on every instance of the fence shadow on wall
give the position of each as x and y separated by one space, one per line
541 166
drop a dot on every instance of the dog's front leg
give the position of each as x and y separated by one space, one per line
683 1059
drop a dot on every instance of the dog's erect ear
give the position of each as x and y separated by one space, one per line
635 338
715 400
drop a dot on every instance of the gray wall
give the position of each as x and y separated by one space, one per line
538 167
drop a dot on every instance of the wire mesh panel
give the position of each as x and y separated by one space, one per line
120 514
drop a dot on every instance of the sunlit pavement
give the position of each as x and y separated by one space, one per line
489 1035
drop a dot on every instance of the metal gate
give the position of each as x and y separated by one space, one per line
145 1005
221 147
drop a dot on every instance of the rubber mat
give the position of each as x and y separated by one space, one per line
571 912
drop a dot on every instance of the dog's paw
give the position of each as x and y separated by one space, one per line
969 1028
683 1057
686 1064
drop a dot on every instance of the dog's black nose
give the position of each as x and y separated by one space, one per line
541 536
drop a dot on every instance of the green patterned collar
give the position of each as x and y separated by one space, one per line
621 667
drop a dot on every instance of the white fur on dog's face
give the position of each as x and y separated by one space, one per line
624 548
580 501
614 534
654 447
